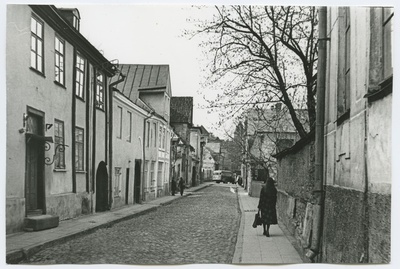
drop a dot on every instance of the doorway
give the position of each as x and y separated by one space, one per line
127 186
138 165
102 187
194 172
34 181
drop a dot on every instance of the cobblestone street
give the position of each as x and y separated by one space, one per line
199 228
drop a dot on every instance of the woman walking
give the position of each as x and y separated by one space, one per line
181 185
267 205
173 186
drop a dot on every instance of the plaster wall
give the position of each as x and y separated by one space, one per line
124 151
27 88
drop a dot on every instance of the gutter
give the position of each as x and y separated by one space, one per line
318 192
110 128
144 150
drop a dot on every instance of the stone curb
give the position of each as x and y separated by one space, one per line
17 256
237 256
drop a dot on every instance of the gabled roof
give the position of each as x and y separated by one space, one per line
145 79
181 109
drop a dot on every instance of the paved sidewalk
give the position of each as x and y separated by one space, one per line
22 245
255 248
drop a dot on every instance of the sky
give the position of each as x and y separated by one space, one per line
153 34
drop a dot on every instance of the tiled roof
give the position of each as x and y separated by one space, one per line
143 78
181 109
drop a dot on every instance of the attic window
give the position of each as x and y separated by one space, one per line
75 22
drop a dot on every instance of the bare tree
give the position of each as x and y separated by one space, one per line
263 55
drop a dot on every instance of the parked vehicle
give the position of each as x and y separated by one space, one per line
223 176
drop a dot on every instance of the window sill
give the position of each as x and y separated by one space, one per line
60 170
59 84
99 108
80 98
37 71
383 89
80 172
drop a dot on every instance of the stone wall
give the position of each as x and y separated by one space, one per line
295 184
379 213
345 224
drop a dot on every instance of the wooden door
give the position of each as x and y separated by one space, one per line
127 186
102 187
34 181
138 165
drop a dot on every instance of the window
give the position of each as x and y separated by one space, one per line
100 91
387 42
75 22
119 122
148 134
80 76
343 92
152 172
79 148
160 174
129 137
59 60
160 137
380 57
155 134
36 44
146 170
163 138
117 185
59 144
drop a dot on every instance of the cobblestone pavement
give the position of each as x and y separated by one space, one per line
199 228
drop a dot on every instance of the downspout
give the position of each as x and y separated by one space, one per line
144 152
73 123
318 192
110 128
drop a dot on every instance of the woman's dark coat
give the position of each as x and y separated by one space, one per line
267 204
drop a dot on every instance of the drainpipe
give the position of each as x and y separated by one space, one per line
318 192
144 150
110 128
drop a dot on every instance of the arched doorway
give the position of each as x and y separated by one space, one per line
102 187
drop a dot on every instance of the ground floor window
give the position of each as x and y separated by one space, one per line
79 149
59 162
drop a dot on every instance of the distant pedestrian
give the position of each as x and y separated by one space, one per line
173 186
240 181
267 205
181 185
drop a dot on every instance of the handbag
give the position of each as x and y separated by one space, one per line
257 220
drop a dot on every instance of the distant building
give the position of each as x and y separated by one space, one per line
268 131
182 122
142 127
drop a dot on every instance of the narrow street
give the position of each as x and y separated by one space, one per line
199 228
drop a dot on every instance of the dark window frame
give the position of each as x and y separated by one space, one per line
79 149
80 76
59 143
100 91
37 39
344 73
380 82
129 138
59 60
